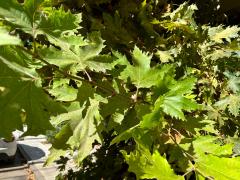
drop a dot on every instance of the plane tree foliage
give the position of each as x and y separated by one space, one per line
127 89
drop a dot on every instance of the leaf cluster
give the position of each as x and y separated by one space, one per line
149 93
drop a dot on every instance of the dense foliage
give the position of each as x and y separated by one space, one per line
128 89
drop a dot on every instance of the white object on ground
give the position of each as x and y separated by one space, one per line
8 148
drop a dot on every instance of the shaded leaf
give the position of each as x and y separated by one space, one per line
21 94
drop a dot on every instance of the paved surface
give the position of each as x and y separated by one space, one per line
16 169
35 151
17 174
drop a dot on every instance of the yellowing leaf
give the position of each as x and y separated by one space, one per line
232 102
181 18
164 56
219 33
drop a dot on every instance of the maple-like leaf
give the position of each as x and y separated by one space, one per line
114 29
152 119
181 18
219 33
218 168
14 12
171 99
85 131
165 56
140 73
233 81
21 95
181 87
211 145
219 54
196 124
174 106
174 102
57 23
80 123
212 161
62 91
232 102
149 166
78 58
64 120
27 17
31 9
184 11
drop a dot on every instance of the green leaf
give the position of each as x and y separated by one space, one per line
184 11
233 81
149 166
64 120
153 119
74 113
54 155
62 91
212 161
140 73
182 87
14 13
31 7
22 16
22 97
218 168
216 54
57 23
211 145
7 39
195 125
79 58
114 29
174 106
85 131
232 102
116 104
100 63
53 23
165 79
174 102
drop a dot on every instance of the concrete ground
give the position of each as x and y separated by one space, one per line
35 151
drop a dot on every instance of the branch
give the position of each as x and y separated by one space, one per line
67 75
